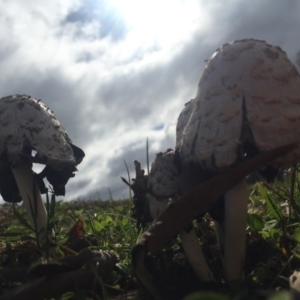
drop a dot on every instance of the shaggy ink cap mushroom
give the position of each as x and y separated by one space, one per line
248 101
163 182
164 176
169 180
29 126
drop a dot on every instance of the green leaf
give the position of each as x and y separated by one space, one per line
275 233
21 219
255 222
297 235
13 231
119 208
284 295
270 224
265 234
97 226
125 222
108 219
274 209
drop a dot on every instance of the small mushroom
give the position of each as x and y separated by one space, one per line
248 101
30 133
169 181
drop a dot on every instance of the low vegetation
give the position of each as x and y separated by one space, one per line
273 236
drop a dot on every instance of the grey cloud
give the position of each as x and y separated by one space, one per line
112 184
76 185
118 192
298 60
149 91
112 23
118 168
272 20
6 51
59 94
158 127
85 57
128 99
133 97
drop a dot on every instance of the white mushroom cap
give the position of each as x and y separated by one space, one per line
164 175
183 119
164 182
28 124
249 93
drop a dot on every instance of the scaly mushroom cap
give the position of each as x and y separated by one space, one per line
183 118
27 125
164 176
248 101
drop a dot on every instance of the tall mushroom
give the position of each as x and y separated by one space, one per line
30 133
248 101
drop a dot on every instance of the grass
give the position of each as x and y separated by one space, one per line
107 225
273 236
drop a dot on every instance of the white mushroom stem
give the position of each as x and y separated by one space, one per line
235 231
219 229
195 256
25 180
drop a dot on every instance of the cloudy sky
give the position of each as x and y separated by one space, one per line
118 72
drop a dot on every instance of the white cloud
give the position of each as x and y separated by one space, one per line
112 73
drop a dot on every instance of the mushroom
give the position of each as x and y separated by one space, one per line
30 133
167 181
248 101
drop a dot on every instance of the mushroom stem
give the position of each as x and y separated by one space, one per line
235 231
195 255
219 229
25 180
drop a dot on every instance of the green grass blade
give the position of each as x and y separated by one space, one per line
273 207
129 179
255 222
21 219
147 154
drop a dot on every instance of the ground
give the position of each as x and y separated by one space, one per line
272 255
